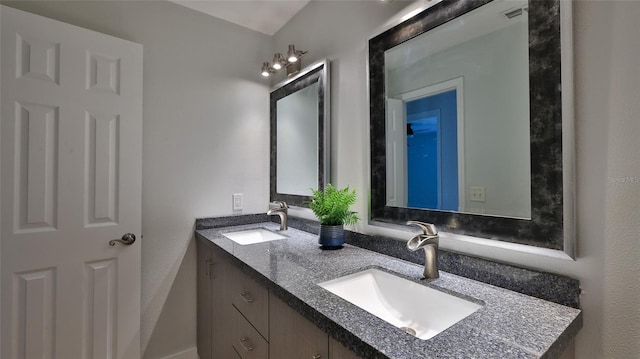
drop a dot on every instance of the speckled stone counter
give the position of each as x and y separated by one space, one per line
509 325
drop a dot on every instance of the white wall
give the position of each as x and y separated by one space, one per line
618 96
205 137
607 72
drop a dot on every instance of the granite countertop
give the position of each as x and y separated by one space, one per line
509 324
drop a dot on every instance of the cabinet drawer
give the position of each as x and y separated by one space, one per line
252 300
246 340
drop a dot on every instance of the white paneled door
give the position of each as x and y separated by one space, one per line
70 153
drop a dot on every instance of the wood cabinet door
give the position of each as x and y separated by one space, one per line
221 307
204 299
338 351
292 335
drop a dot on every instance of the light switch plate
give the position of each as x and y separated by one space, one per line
237 201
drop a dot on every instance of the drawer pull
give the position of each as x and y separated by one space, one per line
207 268
212 270
247 297
317 356
246 344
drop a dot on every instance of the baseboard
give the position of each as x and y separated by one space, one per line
191 353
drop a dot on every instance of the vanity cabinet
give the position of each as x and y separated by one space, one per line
293 336
213 303
204 302
338 351
249 308
251 299
245 339
239 318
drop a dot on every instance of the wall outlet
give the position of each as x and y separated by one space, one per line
237 201
476 194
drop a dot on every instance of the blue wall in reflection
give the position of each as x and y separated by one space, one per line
432 152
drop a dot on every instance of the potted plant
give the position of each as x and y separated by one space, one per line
331 206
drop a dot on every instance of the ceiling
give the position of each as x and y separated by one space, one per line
266 16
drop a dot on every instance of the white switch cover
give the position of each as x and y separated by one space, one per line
237 201
477 194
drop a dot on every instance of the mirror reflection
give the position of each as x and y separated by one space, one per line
457 121
297 151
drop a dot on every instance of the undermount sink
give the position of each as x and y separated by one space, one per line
252 236
416 309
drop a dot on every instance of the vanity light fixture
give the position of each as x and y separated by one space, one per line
266 69
291 62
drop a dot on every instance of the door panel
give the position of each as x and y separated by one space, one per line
36 173
99 327
70 153
34 314
101 169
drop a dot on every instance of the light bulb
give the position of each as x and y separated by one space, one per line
277 61
265 69
292 55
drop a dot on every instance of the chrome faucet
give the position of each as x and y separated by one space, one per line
429 241
280 211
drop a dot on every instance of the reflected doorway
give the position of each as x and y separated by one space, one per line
425 148
432 152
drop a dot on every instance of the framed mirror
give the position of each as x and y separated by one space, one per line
466 121
299 108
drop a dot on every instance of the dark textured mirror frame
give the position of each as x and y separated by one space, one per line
318 72
545 228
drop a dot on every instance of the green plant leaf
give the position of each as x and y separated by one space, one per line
331 206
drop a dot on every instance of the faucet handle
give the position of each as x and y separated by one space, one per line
281 204
427 228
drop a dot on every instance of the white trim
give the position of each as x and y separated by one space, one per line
568 130
326 78
473 246
444 86
396 144
456 242
1 7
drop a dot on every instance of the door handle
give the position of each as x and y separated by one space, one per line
127 239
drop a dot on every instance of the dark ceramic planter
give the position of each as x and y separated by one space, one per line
331 237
